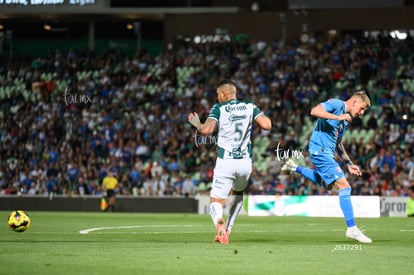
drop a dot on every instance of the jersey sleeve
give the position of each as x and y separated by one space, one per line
331 105
256 112
215 112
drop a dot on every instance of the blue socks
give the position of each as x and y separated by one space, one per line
346 206
344 194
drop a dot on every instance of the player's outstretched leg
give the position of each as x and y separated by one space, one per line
310 174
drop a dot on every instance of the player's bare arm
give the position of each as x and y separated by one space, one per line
319 111
264 122
352 168
206 128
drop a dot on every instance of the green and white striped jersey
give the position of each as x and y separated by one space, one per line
234 119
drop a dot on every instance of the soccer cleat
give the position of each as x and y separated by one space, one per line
221 236
356 234
217 238
289 166
224 238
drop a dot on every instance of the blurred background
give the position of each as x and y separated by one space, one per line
88 86
102 23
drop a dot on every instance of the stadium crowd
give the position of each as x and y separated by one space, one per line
68 118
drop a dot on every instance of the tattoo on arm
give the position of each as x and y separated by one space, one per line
343 154
208 127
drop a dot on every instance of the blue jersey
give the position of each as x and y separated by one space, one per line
327 131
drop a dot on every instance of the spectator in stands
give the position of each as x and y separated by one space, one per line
156 169
132 101
52 185
73 174
189 189
159 184
274 166
372 122
387 160
148 185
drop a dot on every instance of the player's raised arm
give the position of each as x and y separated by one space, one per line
319 112
206 128
264 122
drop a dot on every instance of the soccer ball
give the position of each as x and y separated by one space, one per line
18 221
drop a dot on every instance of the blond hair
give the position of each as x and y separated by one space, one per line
362 95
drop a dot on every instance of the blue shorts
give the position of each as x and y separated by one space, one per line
327 168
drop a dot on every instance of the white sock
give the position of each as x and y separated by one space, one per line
216 211
235 204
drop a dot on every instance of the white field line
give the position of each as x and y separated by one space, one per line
310 228
86 231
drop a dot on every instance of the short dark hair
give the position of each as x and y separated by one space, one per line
227 81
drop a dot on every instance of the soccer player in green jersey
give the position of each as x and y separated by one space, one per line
233 120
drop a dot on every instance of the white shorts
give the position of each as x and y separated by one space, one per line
230 174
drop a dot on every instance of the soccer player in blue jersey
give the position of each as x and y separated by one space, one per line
233 120
334 117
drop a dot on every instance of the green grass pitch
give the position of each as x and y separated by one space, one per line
132 243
